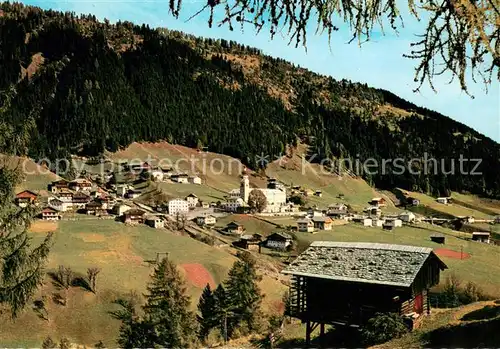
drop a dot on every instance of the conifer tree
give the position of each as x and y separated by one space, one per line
243 292
167 309
222 312
21 266
207 317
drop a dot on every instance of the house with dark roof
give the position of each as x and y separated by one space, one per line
347 283
49 214
322 223
133 216
235 228
279 241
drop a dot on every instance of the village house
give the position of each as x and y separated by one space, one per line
205 204
314 213
337 207
54 187
120 209
318 193
79 200
305 225
443 200
178 206
337 214
408 217
347 283
95 208
65 195
122 189
481 236
235 228
133 216
365 221
156 175
279 241
80 184
49 214
107 201
192 200
377 222
394 222
25 198
206 220
179 178
59 205
249 242
194 180
322 223
155 222
378 202
233 205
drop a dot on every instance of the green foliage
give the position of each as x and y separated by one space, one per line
101 88
207 317
21 266
384 327
167 320
455 295
298 200
257 200
244 294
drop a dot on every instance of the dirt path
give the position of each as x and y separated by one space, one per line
457 316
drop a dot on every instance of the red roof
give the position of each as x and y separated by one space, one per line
26 194
49 210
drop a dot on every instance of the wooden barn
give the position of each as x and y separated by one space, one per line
345 283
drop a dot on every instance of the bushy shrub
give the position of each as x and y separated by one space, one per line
384 327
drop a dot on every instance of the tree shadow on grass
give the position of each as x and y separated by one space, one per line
480 334
337 337
80 281
486 313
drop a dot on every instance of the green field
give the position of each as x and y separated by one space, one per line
122 253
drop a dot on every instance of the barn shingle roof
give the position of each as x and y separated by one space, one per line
395 265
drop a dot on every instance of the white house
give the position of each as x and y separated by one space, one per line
59 205
120 209
408 217
367 222
305 225
443 200
337 207
155 222
394 222
206 220
194 180
377 222
178 206
279 241
192 200
481 236
156 175
232 205
179 178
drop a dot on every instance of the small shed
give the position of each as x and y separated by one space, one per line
438 238
235 228
481 236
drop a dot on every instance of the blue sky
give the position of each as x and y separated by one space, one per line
379 63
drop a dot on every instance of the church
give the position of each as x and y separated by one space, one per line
275 194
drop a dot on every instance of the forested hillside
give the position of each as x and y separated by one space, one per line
86 86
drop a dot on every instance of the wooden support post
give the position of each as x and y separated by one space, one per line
322 334
428 302
308 333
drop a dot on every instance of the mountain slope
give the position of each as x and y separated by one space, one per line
91 86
